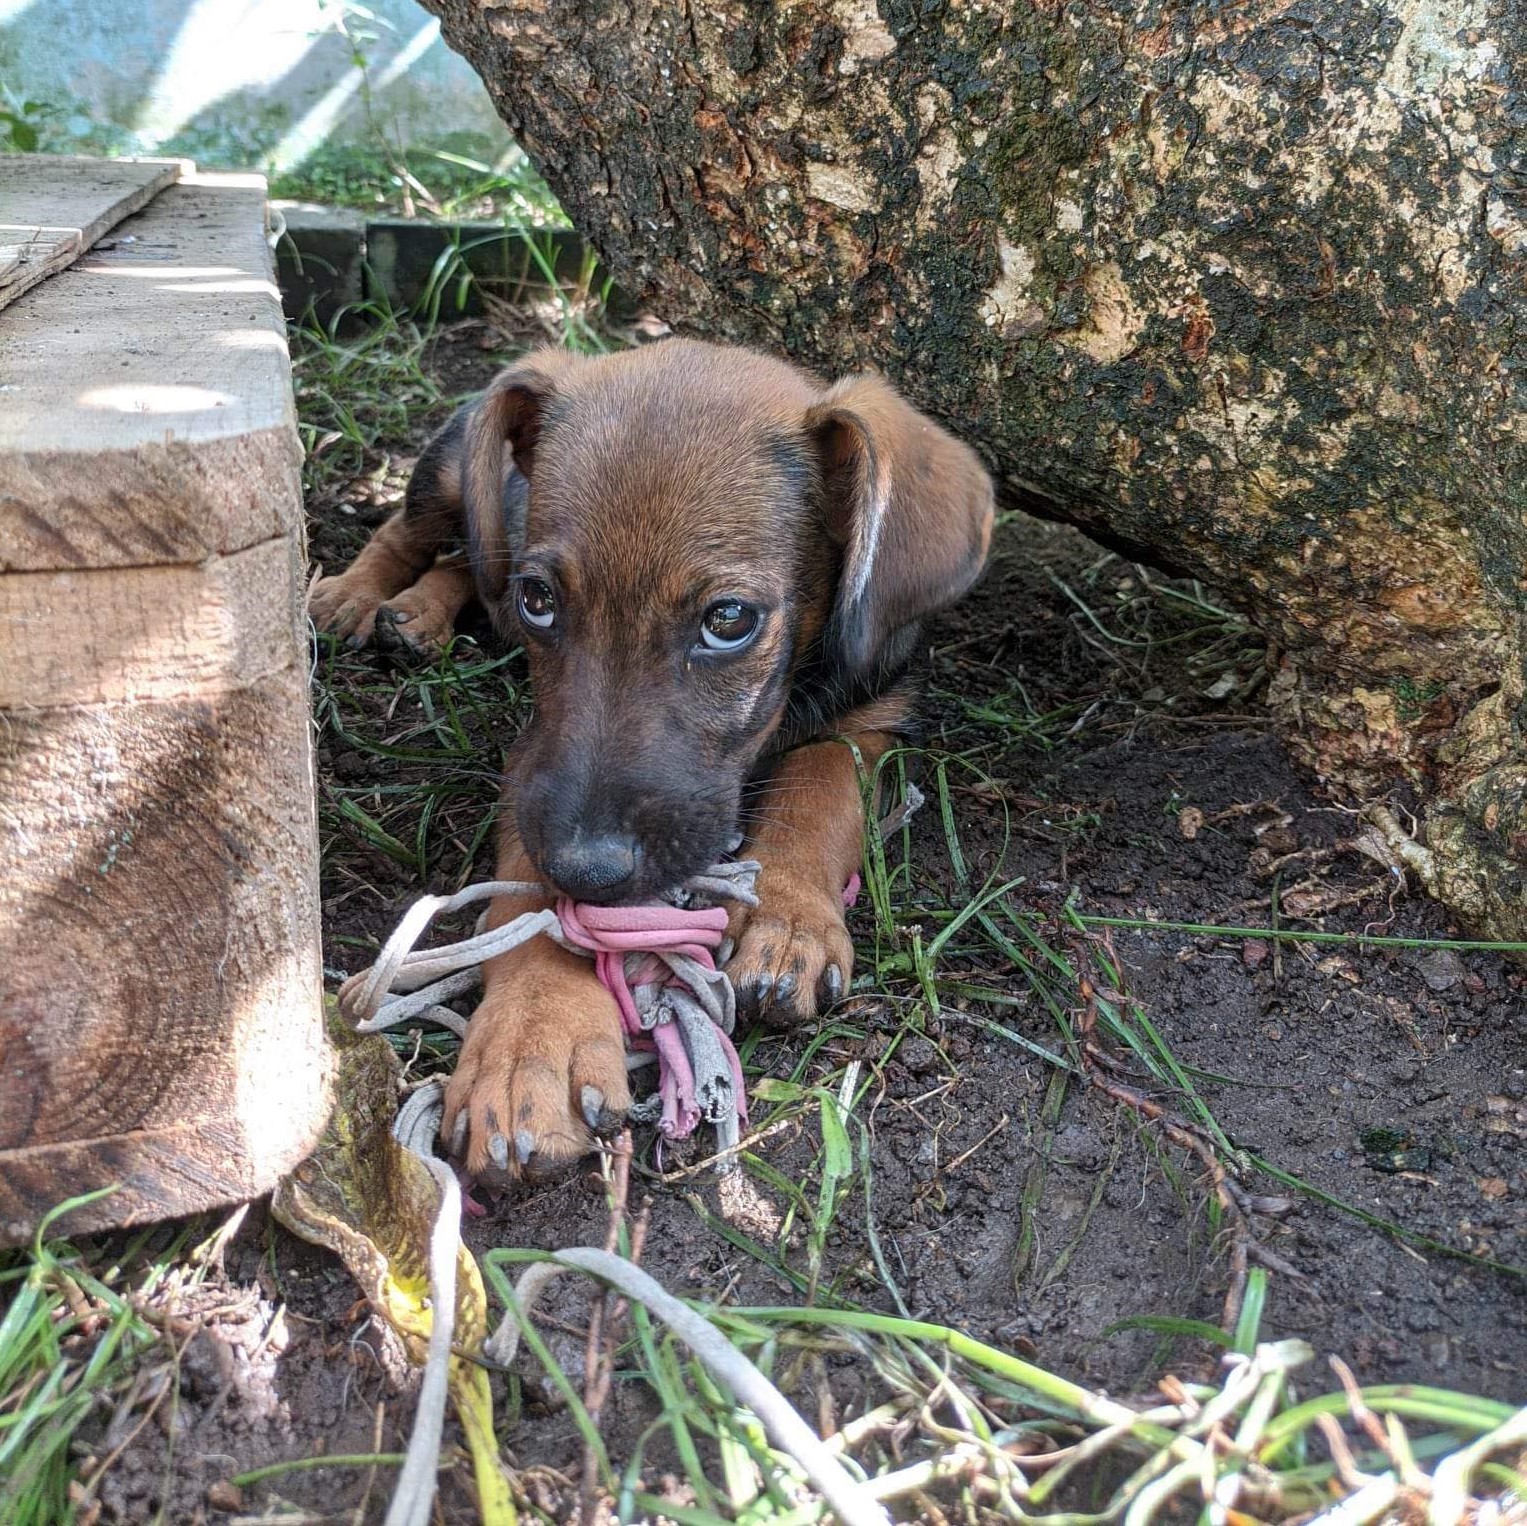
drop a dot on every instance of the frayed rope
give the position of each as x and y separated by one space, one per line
658 962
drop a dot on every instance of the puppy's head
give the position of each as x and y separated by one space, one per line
703 527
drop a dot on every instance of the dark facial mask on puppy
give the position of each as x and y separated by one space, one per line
707 557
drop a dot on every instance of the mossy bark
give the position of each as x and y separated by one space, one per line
1240 287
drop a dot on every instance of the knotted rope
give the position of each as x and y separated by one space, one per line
658 962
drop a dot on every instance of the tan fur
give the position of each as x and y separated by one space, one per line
544 1029
422 619
389 563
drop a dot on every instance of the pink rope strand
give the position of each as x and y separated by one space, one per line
610 933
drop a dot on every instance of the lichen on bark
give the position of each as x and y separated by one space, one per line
1235 286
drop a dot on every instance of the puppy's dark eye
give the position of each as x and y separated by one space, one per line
538 605
728 625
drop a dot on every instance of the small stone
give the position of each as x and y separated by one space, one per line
1190 822
1441 970
225 1497
1254 953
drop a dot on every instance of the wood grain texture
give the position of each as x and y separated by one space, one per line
148 405
53 207
160 977
158 956
126 633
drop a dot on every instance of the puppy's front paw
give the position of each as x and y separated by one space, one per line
793 955
414 626
542 1072
345 605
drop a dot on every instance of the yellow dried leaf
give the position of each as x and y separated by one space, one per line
374 1203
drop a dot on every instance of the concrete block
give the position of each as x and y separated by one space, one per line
320 259
408 261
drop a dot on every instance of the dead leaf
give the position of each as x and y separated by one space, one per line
1493 1187
373 1202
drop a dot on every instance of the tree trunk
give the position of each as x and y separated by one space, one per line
1239 287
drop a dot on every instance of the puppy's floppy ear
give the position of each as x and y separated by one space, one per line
510 413
910 506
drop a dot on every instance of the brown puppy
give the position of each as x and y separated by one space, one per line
717 568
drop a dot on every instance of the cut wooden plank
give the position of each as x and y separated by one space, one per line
130 633
54 207
161 1025
163 355
159 963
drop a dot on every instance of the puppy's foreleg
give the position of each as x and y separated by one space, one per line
543 1067
391 561
419 622
405 547
793 955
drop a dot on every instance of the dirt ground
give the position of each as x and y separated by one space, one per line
1391 1080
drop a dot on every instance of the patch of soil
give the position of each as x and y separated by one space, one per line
1101 772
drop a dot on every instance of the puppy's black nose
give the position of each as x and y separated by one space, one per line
592 868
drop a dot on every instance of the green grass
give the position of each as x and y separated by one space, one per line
358 385
1144 648
444 733
73 1343
989 1434
362 379
437 183
1299 935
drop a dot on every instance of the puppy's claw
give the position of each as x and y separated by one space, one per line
784 988
524 1146
498 1151
832 982
459 1134
592 1101
763 989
